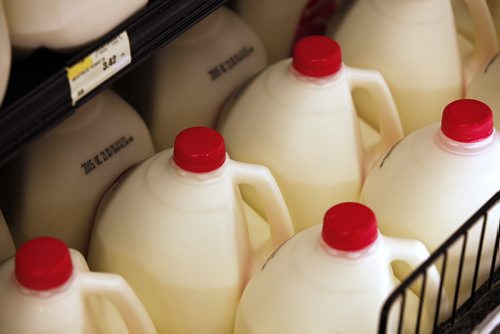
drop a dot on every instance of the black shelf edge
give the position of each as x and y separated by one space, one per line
45 106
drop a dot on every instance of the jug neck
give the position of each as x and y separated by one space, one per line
461 148
333 79
58 291
198 178
351 255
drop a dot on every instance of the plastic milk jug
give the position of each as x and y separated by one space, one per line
190 259
297 118
58 181
486 87
5 53
463 20
44 291
430 183
328 277
64 24
414 45
280 23
7 248
187 82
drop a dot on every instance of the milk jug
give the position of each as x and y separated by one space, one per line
190 258
7 248
463 20
5 53
486 87
187 82
297 118
64 24
44 291
58 181
280 23
434 180
414 45
328 277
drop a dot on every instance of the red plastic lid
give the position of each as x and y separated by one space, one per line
43 263
349 226
467 121
317 56
199 149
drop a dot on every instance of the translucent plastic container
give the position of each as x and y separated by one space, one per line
64 24
330 278
298 119
56 183
45 289
175 228
434 180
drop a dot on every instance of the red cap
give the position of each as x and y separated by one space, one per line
467 121
43 263
199 149
317 56
349 226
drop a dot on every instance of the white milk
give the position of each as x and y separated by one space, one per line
44 290
304 128
188 81
5 53
486 87
7 248
174 227
58 180
280 23
429 184
414 45
64 24
328 279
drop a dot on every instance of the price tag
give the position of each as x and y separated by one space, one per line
99 66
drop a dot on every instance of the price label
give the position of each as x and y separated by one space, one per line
99 66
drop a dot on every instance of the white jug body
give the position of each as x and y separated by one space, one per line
187 83
419 187
64 24
190 259
306 132
59 179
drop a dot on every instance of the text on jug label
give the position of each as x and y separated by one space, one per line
230 63
107 153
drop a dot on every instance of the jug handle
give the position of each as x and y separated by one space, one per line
414 253
485 38
261 179
117 290
390 127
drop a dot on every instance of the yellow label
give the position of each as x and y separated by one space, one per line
79 67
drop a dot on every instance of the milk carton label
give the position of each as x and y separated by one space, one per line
99 66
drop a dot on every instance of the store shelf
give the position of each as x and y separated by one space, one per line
39 95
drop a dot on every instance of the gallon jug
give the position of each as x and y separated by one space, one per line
174 227
327 278
297 118
58 181
434 180
414 45
64 24
486 87
7 248
44 291
463 20
280 23
187 82
5 53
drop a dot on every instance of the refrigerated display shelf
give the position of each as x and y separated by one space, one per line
39 95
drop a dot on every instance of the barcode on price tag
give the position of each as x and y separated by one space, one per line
99 66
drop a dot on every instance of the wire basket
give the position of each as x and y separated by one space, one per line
473 278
